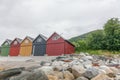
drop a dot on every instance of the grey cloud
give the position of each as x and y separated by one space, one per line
19 18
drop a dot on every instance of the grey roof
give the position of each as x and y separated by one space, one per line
19 40
45 38
9 41
31 39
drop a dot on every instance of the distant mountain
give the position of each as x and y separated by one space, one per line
84 36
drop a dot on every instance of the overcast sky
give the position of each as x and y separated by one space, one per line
20 18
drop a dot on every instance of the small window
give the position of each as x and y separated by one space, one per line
55 37
26 41
15 43
39 40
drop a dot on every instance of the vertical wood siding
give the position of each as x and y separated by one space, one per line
26 48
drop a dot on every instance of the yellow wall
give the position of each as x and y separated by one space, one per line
26 47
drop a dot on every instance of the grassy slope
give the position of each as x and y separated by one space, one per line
83 36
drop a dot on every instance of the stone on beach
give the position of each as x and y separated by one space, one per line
77 71
81 78
46 69
101 77
37 75
90 73
11 72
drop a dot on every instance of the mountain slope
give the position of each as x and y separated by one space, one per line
84 36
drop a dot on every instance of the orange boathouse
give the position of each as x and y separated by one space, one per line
26 46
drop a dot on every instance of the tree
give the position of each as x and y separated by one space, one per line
80 45
95 40
107 39
112 31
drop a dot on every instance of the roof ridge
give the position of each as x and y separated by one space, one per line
30 38
43 36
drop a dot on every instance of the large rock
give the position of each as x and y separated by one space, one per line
44 63
52 77
85 58
1 68
77 71
65 75
37 75
55 74
87 64
105 69
81 78
23 76
46 69
114 70
101 77
118 76
58 74
90 73
111 75
11 72
60 65
32 68
76 62
68 75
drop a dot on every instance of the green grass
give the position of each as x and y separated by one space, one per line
101 52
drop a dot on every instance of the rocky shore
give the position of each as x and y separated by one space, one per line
69 67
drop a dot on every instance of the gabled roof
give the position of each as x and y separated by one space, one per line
19 40
45 38
27 37
63 38
30 38
54 34
8 41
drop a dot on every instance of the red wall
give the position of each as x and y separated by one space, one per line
58 47
69 49
55 49
14 49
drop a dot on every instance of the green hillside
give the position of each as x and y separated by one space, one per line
84 36
107 38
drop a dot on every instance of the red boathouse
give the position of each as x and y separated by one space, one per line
15 47
56 45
